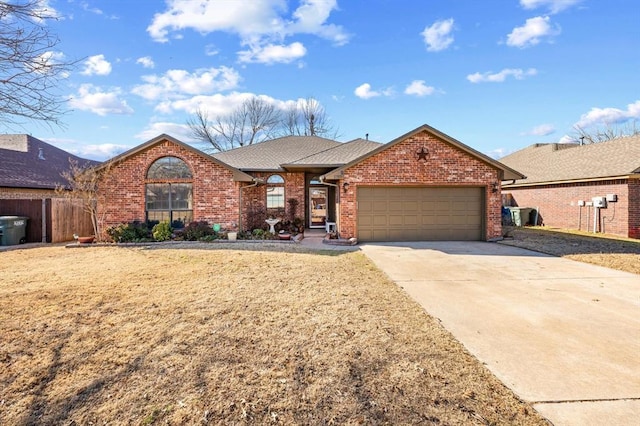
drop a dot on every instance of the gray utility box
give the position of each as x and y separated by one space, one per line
13 230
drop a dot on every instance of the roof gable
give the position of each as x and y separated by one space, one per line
237 174
27 162
544 163
507 172
337 155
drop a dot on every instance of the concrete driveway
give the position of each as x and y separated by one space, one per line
562 335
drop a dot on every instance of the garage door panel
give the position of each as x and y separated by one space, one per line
420 213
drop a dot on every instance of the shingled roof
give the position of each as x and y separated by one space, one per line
548 163
270 155
338 155
27 162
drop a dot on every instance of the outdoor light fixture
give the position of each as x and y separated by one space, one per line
345 187
494 187
422 154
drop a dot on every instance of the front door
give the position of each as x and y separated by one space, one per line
318 206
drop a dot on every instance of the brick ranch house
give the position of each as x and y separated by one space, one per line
423 185
566 182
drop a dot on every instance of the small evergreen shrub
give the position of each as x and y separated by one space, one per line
129 232
162 231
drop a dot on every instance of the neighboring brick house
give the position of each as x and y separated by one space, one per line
30 171
424 185
562 181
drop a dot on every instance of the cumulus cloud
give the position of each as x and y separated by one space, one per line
542 130
96 65
532 32
501 76
177 83
438 36
270 53
419 88
609 116
146 62
99 152
180 131
215 104
261 24
94 99
554 6
364 91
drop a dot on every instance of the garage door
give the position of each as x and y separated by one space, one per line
420 214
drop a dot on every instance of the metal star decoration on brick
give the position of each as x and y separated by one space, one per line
422 154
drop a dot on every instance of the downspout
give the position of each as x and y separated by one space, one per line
337 187
255 183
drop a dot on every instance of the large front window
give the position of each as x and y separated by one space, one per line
170 197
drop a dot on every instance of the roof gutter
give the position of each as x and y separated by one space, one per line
559 182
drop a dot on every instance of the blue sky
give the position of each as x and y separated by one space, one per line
498 75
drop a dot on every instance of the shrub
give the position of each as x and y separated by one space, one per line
129 232
162 231
195 231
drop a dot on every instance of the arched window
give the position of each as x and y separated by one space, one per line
275 192
169 192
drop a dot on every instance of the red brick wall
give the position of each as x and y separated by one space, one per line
254 199
634 208
398 165
122 190
558 205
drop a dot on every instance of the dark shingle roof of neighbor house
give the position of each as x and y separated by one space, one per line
27 162
544 163
270 155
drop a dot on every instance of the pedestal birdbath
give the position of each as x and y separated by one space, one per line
272 223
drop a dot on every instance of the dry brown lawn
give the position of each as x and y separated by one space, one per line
603 250
143 336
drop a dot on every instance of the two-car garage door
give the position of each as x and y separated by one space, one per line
420 213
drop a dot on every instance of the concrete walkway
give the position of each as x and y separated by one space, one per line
563 335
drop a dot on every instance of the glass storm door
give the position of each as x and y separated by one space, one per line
318 207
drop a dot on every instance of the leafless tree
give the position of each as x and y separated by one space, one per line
605 133
307 117
30 69
254 121
82 184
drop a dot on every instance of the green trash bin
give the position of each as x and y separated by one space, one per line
13 230
520 215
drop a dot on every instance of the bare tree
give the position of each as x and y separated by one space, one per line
254 121
307 117
82 184
30 69
606 133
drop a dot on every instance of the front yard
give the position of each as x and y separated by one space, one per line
189 336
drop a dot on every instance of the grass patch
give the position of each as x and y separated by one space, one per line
162 336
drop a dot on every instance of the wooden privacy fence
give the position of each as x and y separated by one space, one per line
51 220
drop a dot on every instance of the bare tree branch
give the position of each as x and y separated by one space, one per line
307 117
30 69
606 133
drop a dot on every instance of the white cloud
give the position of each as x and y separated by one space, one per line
270 53
364 92
542 130
532 32
438 36
211 50
419 88
501 76
216 104
96 65
178 131
260 24
554 6
98 152
609 116
43 63
567 139
94 99
146 62
177 83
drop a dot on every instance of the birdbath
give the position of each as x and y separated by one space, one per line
272 223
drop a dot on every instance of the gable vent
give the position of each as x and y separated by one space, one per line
41 154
